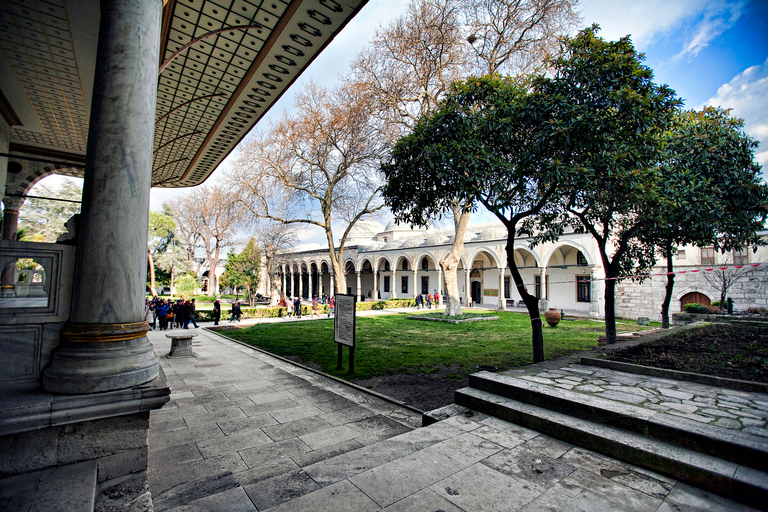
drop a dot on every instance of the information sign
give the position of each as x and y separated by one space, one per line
344 323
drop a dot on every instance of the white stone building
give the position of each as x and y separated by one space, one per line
397 261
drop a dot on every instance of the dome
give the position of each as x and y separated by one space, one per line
435 240
412 242
365 229
393 225
493 233
394 244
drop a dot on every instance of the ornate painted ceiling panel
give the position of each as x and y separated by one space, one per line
223 64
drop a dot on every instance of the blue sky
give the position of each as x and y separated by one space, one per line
709 51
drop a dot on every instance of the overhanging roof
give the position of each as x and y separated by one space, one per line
226 63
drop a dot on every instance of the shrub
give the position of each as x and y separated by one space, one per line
715 304
714 310
757 311
696 308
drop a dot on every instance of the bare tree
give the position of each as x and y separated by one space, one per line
411 63
318 166
725 274
274 238
207 216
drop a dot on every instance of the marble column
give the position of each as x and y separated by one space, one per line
311 288
301 284
375 285
440 285
467 289
359 287
544 283
320 288
11 207
394 283
333 284
502 298
282 290
104 346
415 284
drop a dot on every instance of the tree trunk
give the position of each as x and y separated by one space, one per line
152 287
610 311
451 262
277 292
531 302
668 289
172 281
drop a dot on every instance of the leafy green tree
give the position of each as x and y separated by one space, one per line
483 145
244 269
713 193
186 286
42 220
604 117
162 227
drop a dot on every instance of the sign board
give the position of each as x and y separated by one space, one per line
344 320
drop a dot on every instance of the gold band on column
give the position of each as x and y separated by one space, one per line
103 333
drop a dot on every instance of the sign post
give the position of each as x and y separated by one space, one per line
344 327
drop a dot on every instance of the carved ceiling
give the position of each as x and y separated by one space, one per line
224 64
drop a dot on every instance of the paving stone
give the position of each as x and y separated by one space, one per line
673 393
162 440
686 498
295 428
253 457
423 500
340 497
266 470
547 446
193 490
679 407
718 413
280 489
462 422
540 380
230 427
696 417
507 439
232 443
228 413
727 423
327 452
564 386
623 397
295 413
588 388
261 408
161 480
405 476
174 456
757 431
542 472
752 422
585 491
479 487
467 448
378 424
226 501
329 436
347 415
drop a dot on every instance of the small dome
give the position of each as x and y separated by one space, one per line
492 233
412 242
394 244
434 240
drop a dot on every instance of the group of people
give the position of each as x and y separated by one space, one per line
293 307
426 301
164 314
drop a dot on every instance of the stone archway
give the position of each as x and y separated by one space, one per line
694 298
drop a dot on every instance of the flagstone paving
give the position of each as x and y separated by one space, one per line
247 431
720 407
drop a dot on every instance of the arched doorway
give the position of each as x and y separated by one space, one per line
694 298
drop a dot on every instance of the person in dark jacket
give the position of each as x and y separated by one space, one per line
189 314
216 312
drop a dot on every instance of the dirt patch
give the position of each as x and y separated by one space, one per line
721 350
422 391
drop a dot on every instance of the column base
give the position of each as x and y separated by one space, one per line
109 363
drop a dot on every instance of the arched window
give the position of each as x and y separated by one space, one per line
424 264
386 266
405 265
581 259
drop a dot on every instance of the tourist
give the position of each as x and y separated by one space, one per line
162 315
437 299
333 305
429 301
152 314
419 301
189 314
148 311
315 306
216 312
297 307
236 311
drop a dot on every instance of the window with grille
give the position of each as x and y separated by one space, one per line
741 257
404 288
707 255
386 284
583 289
581 260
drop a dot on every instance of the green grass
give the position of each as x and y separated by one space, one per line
392 344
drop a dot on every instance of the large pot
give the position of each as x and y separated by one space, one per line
552 317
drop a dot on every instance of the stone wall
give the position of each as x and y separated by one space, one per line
634 300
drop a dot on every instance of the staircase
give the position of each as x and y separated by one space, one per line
731 463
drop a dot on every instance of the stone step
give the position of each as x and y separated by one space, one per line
730 445
70 488
738 482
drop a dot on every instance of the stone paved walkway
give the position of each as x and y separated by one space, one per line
721 407
245 431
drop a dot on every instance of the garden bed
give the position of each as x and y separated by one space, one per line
721 350
457 319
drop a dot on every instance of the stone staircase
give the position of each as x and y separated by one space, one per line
728 462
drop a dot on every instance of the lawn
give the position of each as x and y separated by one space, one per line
392 344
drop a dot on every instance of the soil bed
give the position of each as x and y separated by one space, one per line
722 350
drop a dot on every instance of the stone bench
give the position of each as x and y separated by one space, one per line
181 344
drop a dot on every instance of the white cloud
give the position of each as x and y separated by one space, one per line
747 95
718 17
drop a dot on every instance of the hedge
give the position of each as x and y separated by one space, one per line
206 315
